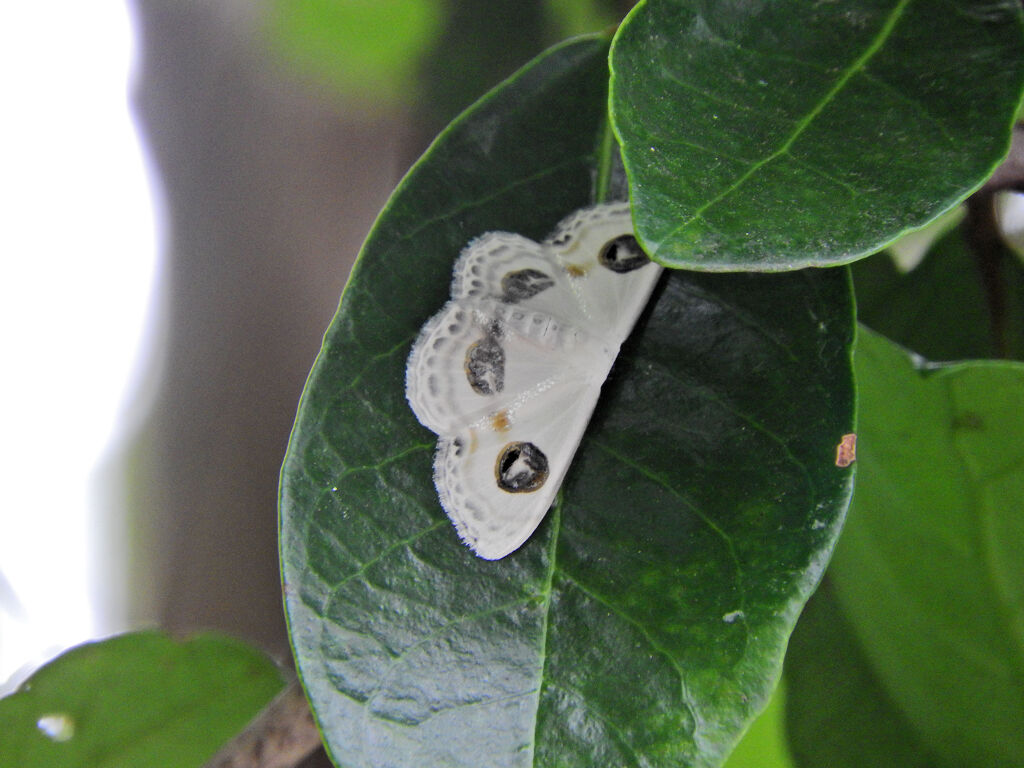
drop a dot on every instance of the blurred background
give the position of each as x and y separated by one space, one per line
186 185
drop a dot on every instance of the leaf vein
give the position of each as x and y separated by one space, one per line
711 524
556 525
666 141
645 633
620 736
910 101
397 658
813 168
387 551
357 377
449 213
804 123
413 449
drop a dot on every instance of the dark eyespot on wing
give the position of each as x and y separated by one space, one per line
521 468
485 366
623 254
524 284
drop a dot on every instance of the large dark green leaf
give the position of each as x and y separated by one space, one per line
141 700
645 620
770 136
929 571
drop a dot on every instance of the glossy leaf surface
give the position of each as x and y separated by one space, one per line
928 572
770 136
645 620
141 700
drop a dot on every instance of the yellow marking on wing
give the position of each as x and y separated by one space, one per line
500 422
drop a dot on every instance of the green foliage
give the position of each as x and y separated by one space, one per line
940 309
435 55
579 17
141 700
686 537
929 572
765 745
838 713
772 136
645 622
368 51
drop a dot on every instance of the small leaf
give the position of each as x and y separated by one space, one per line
645 620
929 572
771 136
136 700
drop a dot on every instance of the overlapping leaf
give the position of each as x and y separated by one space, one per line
644 622
770 136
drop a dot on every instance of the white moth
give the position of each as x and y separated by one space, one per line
509 371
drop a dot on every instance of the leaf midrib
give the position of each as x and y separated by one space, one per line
856 66
602 188
549 578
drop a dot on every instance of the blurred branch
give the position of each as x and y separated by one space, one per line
986 245
281 736
1010 174
985 240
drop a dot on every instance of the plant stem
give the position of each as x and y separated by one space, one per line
281 736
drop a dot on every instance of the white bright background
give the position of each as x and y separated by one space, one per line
77 242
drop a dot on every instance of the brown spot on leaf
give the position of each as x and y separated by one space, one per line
846 451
